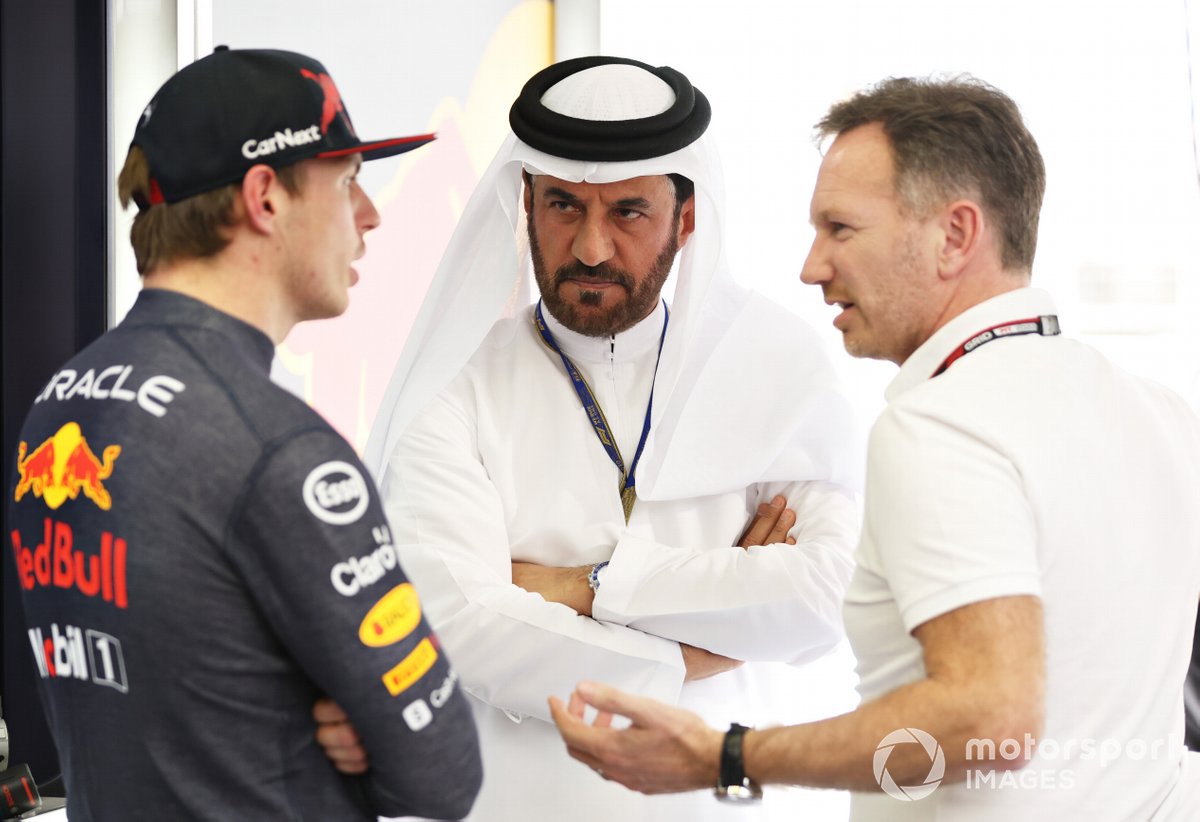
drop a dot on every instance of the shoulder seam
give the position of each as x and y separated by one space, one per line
268 450
173 332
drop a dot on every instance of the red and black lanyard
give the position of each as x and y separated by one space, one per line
1046 325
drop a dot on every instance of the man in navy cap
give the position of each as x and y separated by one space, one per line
201 555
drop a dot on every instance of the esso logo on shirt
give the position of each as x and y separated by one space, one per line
336 493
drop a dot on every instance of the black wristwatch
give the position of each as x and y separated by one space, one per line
732 784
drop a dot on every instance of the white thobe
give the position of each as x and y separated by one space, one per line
503 466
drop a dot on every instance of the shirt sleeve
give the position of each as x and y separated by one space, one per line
311 539
768 603
948 515
513 647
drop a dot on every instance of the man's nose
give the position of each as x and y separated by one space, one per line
593 243
817 268
368 215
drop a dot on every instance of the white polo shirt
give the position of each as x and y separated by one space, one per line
1034 466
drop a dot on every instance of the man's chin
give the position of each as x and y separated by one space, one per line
589 320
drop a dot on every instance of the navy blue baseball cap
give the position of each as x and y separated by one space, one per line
221 115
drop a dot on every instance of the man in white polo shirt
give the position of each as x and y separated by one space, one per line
1029 568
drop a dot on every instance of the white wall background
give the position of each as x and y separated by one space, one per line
1103 85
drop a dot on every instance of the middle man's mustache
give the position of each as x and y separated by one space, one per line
603 273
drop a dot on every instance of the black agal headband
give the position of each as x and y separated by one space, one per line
573 138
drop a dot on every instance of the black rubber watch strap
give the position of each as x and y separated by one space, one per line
732 783
733 770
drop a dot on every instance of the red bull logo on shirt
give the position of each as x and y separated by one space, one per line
56 562
63 466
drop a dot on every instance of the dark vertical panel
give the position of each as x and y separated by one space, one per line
92 153
53 252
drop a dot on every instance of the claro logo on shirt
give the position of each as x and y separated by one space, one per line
336 493
352 575
392 618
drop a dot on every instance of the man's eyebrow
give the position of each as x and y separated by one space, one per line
634 202
554 192
827 215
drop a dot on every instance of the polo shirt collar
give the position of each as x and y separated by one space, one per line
1019 304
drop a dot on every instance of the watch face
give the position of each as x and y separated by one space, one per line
748 792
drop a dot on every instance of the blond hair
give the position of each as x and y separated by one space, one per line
196 227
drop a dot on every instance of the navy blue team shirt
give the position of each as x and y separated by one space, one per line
201 557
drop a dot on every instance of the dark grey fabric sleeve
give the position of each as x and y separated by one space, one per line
311 539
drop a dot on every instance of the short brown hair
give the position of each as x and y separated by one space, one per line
192 228
953 137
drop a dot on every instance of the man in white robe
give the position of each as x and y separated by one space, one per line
544 554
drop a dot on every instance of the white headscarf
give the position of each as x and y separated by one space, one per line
730 409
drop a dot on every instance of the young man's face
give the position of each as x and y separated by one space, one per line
602 251
324 234
870 257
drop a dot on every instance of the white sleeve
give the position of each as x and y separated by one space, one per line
948 515
511 647
769 603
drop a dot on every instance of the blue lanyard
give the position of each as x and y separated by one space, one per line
626 486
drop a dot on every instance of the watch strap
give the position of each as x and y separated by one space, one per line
732 782
594 575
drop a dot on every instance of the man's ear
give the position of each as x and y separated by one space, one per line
528 179
962 230
687 220
261 197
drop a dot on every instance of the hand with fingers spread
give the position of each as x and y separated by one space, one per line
665 750
338 738
770 525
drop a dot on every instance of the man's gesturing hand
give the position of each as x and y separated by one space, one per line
665 750
770 524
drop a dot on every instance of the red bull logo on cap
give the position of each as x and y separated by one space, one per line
62 466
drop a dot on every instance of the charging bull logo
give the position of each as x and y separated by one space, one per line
64 465
333 101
